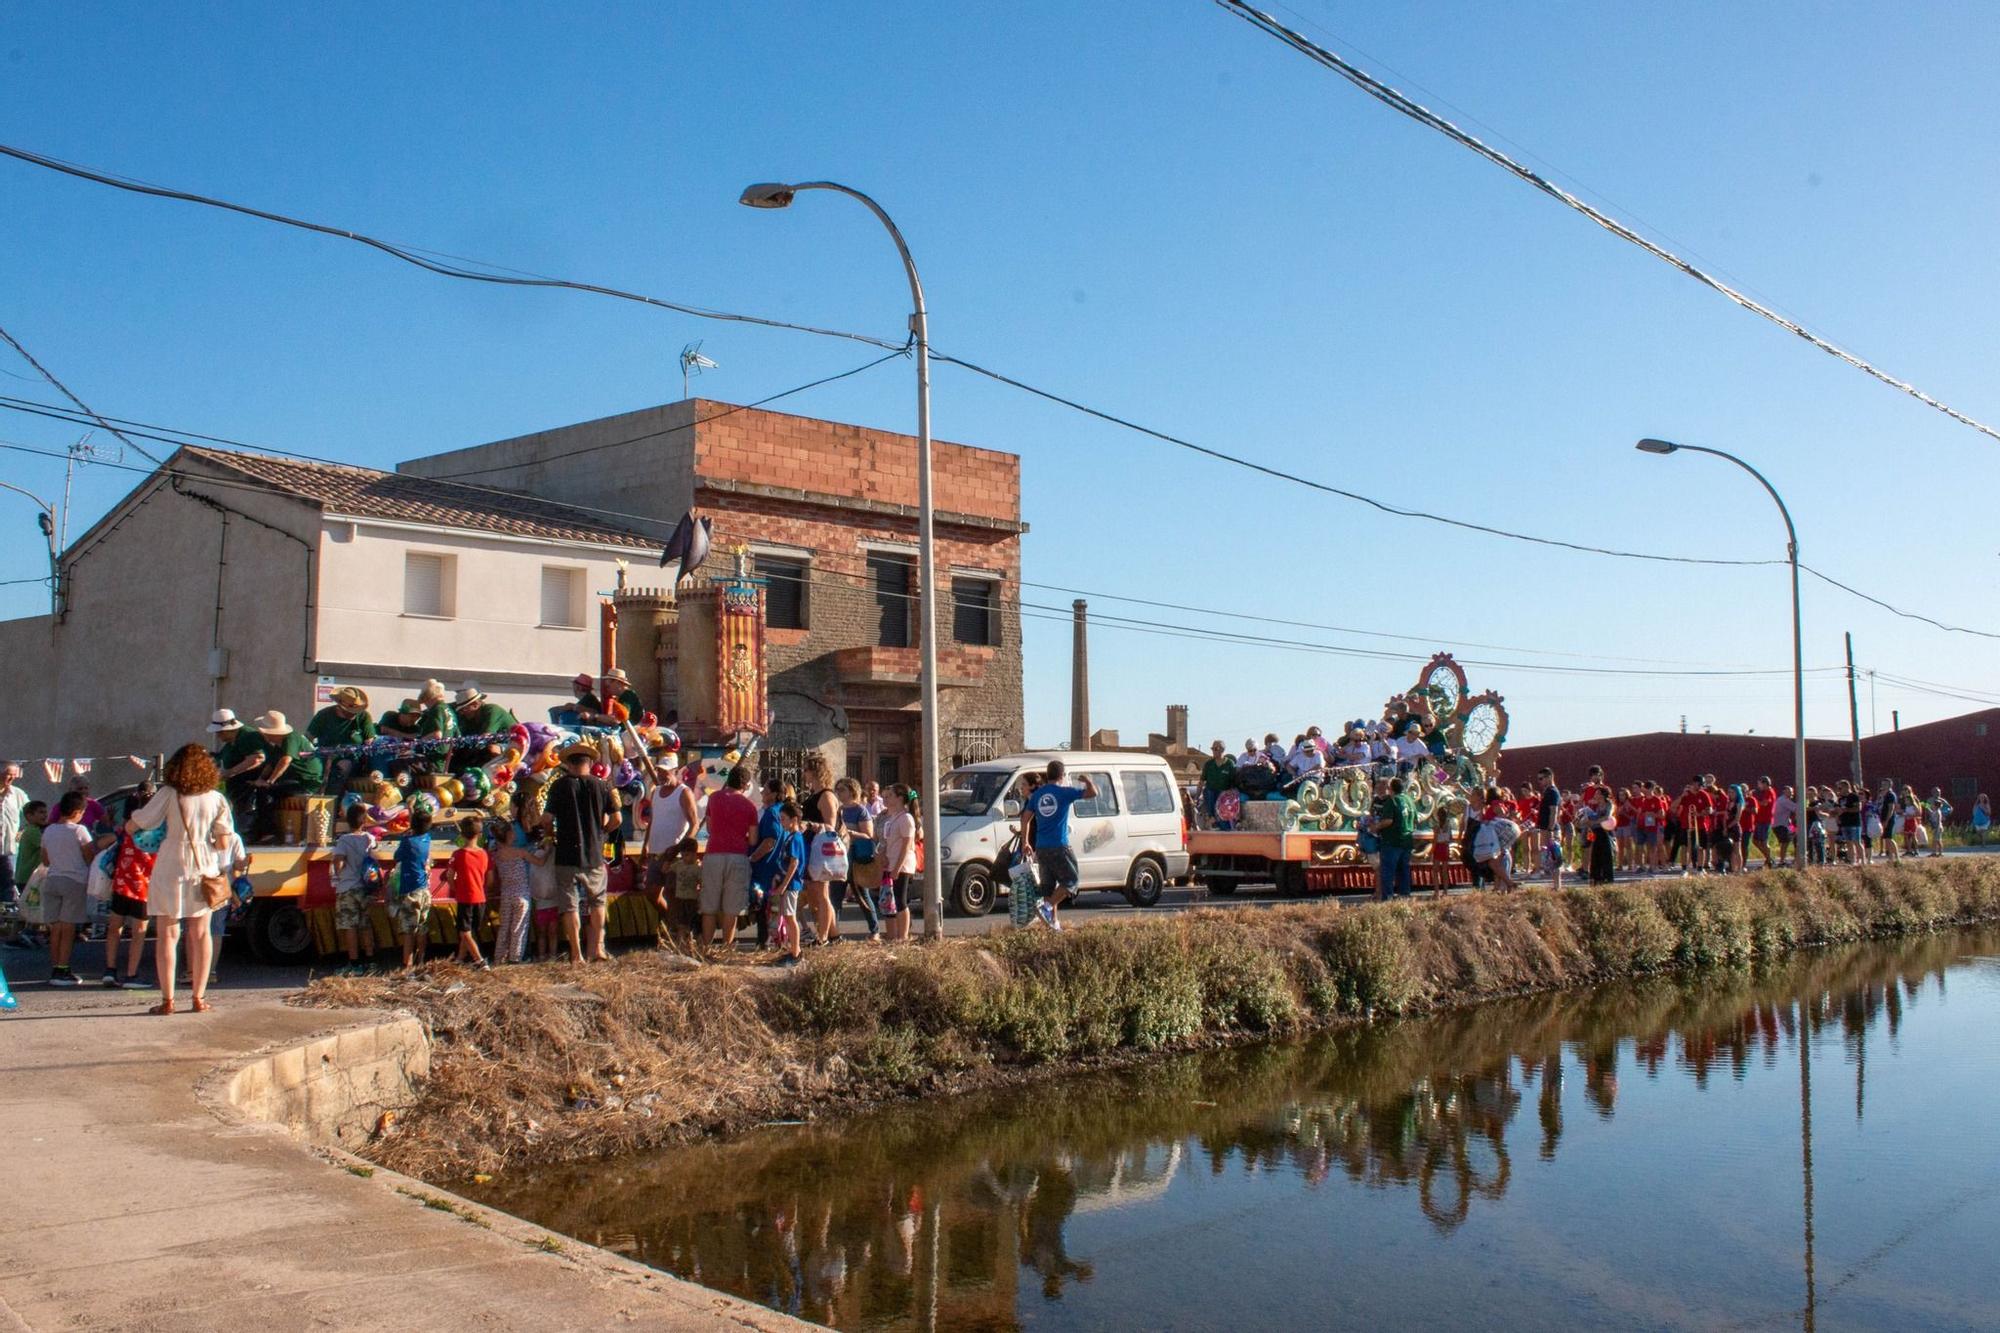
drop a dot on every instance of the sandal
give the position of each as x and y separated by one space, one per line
164 1007
200 1005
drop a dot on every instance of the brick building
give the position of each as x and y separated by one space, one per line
828 515
1959 755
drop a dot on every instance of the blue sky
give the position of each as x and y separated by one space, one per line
1148 206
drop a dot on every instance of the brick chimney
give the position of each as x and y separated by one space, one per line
1177 731
1079 677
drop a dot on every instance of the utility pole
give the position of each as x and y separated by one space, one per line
1853 716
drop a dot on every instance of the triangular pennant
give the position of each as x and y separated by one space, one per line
54 768
82 766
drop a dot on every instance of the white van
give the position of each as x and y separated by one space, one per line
1129 838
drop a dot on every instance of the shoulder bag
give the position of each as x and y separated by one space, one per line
214 888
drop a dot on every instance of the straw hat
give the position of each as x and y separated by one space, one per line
583 683
468 695
616 676
224 720
349 696
579 750
432 692
273 724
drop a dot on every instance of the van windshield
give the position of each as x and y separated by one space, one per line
970 791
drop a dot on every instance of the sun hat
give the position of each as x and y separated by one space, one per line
409 706
468 695
431 693
349 696
579 749
584 681
273 724
224 720
617 674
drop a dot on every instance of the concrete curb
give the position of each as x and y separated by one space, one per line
329 1092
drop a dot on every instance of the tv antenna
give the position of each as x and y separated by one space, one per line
693 363
83 451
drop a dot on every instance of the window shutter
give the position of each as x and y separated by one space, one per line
423 584
558 587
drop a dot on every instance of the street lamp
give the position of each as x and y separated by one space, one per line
780 196
1652 446
46 521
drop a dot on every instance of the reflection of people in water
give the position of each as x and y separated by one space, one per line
1042 1247
1548 1105
1600 1077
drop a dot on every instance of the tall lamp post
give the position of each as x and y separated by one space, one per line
46 521
780 196
1652 446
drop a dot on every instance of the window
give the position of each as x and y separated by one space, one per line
784 591
892 575
428 584
1147 792
1104 803
562 597
975 611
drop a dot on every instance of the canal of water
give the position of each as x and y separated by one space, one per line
1810 1146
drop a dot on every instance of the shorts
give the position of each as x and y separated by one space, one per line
472 918
545 918
350 909
1058 867
412 912
782 903
684 913
725 885
128 907
64 901
578 887
1762 833
1649 837
1784 832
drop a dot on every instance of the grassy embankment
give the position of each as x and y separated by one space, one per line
559 1063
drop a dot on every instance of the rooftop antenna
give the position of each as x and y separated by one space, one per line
693 363
83 451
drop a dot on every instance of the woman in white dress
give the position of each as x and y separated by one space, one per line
199 830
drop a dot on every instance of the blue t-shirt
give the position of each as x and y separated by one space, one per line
791 847
413 863
1050 805
770 825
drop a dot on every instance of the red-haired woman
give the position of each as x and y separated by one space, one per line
199 830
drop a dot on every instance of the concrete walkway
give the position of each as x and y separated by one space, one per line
134 1203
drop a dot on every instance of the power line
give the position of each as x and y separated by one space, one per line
66 392
1895 610
410 255
1389 96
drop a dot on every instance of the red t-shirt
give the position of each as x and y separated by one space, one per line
732 818
1766 804
468 876
1592 790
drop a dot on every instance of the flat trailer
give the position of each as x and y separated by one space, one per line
1302 862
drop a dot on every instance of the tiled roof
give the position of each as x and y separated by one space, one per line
366 493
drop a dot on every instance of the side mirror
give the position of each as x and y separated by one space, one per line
1012 807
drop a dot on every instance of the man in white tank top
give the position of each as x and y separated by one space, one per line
670 816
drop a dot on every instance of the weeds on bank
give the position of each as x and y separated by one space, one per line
554 1064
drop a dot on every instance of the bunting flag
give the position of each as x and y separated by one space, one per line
54 768
81 766
137 761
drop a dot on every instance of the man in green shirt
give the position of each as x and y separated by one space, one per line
478 715
343 722
1218 775
239 754
635 709
400 721
290 769
1394 823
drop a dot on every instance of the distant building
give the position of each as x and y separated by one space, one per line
1959 755
247 581
1171 745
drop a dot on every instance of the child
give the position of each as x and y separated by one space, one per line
27 856
898 855
516 855
67 847
782 898
546 896
354 880
131 879
467 873
411 904
1552 862
237 858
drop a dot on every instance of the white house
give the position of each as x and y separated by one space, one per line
247 581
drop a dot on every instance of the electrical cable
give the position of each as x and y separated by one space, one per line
66 392
1389 96
1895 610
410 255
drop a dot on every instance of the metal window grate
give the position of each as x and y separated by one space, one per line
974 745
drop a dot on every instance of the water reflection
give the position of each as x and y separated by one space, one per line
958 1213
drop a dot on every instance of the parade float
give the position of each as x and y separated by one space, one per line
1309 839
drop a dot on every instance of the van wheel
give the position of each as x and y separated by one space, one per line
972 892
1145 883
279 933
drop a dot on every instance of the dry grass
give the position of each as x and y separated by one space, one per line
560 1063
